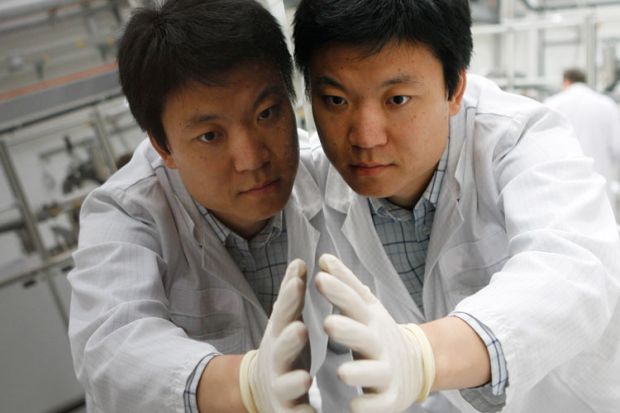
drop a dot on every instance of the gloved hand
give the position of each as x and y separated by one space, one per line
267 378
393 363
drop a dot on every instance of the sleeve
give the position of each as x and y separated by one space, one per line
490 397
555 295
191 387
128 355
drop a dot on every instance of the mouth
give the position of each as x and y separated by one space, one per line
370 168
263 188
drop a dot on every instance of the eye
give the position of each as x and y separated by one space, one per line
209 136
268 113
334 100
398 100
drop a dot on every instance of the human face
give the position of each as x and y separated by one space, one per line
234 145
383 119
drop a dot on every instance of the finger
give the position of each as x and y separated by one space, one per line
366 373
335 267
291 386
288 346
355 335
374 403
288 305
342 296
295 269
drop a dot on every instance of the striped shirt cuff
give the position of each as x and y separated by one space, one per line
490 397
191 386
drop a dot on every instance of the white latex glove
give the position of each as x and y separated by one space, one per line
267 379
393 363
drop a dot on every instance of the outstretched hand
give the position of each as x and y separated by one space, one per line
394 363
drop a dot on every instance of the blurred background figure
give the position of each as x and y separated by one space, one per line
596 120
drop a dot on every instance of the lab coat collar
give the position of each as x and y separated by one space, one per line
338 194
448 216
306 194
364 239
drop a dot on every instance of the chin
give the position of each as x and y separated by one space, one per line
370 191
267 210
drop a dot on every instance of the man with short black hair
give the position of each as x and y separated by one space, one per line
481 252
182 297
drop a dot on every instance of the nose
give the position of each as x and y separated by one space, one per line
249 151
367 128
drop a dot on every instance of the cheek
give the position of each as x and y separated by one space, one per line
333 151
325 120
286 147
206 177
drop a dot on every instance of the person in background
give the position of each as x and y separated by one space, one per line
181 296
596 120
477 250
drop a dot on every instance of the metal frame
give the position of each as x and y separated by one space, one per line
586 20
31 226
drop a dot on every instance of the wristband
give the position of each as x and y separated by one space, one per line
428 359
247 366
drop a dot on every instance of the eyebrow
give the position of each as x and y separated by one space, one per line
201 118
198 119
396 80
401 79
268 91
328 81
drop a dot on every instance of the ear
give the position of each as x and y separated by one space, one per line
457 97
164 153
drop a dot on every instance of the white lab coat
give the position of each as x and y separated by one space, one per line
596 120
523 239
154 291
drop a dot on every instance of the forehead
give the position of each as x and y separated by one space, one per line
236 89
394 58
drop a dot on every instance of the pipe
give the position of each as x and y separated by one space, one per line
587 3
19 8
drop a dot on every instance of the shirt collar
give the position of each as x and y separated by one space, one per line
272 230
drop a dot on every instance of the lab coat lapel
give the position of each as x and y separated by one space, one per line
303 238
360 232
448 216
448 219
217 262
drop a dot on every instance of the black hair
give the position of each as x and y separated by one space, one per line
165 48
574 75
442 25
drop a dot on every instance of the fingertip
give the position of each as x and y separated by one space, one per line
294 267
301 265
342 374
319 281
300 329
329 324
325 261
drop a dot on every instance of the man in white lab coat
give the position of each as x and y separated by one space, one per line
483 258
596 120
179 302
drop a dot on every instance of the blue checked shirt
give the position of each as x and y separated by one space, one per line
262 260
405 237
